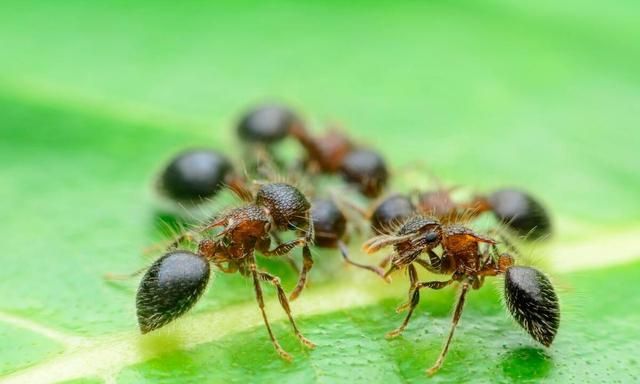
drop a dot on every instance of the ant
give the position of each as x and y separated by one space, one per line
529 295
332 153
330 228
195 175
173 284
515 209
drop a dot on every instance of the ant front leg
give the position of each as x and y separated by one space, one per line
414 299
345 255
454 322
260 300
414 294
284 248
284 303
307 264
287 257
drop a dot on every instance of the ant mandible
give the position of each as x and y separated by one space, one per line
529 295
175 282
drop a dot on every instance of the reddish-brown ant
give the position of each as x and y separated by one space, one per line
529 295
173 284
331 153
517 210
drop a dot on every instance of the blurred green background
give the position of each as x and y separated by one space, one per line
94 97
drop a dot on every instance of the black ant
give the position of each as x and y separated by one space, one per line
195 175
173 284
529 295
330 228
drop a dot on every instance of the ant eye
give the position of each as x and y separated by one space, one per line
171 286
431 237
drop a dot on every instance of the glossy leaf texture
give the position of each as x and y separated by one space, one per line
96 98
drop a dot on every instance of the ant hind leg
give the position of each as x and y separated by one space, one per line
284 303
260 300
124 276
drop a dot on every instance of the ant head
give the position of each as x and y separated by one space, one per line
367 170
287 206
520 212
171 286
429 230
420 225
266 124
329 222
390 212
533 302
194 175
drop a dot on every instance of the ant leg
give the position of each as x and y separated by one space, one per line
505 240
433 265
417 287
454 323
414 299
186 236
124 276
260 299
384 262
345 255
284 248
160 246
238 186
307 264
287 257
266 166
284 303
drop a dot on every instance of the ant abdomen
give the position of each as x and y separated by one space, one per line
194 175
533 302
520 212
367 170
266 124
329 222
170 287
390 213
286 204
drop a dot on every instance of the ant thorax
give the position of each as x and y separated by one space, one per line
245 224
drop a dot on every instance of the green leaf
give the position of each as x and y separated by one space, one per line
94 98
